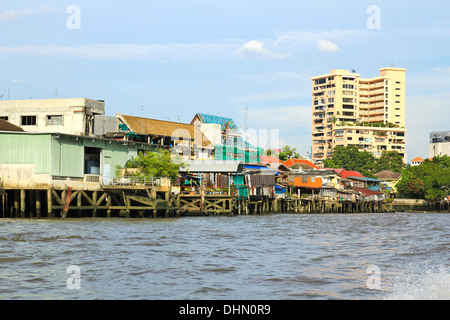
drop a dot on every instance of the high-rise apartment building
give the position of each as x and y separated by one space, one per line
366 112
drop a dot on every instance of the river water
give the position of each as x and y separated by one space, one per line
270 257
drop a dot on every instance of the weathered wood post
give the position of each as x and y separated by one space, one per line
94 200
49 203
38 203
22 203
79 203
67 195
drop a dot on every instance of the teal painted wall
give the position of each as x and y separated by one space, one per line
26 149
63 156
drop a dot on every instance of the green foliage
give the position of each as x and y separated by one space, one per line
389 160
430 180
350 158
288 152
156 164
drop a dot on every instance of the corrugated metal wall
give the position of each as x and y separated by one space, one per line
61 156
26 149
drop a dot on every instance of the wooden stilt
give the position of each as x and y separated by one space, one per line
22 203
38 204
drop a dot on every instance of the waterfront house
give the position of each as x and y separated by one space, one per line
182 139
44 160
369 195
355 179
390 178
295 164
314 182
260 179
214 176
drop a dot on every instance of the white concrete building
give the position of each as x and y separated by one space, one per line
439 144
69 116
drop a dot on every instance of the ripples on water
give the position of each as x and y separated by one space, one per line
244 257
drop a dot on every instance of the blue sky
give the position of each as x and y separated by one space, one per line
176 58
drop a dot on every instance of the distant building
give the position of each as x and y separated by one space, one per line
417 161
184 139
229 143
439 144
367 113
69 116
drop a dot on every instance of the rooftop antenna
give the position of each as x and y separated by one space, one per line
56 93
392 62
142 121
18 81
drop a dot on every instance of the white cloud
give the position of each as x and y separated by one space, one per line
321 40
130 52
13 14
327 46
256 48
149 52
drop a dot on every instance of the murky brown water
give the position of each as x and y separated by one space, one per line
244 257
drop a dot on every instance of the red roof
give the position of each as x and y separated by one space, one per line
301 162
366 192
270 159
347 173
418 159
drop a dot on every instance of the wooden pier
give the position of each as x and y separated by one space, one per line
159 201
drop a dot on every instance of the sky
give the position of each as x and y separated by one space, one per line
248 60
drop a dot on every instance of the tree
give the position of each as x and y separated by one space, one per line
155 164
390 160
350 158
287 153
430 180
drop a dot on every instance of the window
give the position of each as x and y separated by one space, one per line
349 138
320 81
4 118
54 120
348 86
28 120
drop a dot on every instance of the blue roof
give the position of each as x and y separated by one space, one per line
223 121
365 179
256 167
227 122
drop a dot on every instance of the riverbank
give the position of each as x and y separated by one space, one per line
162 202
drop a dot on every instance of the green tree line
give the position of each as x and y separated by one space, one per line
430 180
350 158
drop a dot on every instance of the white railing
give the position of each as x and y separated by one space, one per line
140 181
